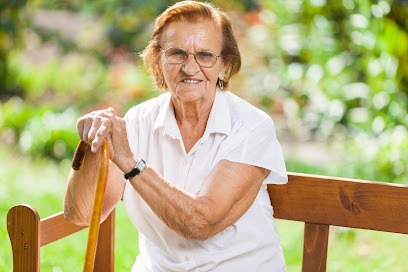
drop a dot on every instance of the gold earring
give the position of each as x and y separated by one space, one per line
221 84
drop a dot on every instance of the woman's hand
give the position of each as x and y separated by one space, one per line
95 127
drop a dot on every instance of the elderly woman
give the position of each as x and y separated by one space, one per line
192 165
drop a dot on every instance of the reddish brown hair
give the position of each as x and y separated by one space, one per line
192 11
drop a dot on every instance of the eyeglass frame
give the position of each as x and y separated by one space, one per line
190 53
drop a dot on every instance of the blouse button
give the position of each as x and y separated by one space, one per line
187 259
230 228
181 245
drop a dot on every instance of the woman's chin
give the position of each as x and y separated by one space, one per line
190 94
187 98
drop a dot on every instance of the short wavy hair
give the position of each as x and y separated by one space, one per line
192 11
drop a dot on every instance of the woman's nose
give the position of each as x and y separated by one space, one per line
190 67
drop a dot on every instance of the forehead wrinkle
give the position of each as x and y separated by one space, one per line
201 37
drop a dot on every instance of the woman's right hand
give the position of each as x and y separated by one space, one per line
94 127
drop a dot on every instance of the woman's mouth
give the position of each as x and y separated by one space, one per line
191 81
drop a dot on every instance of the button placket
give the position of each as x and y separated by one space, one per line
185 169
185 162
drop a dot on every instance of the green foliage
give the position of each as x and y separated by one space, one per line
39 131
12 23
338 71
382 158
51 134
15 113
342 64
70 79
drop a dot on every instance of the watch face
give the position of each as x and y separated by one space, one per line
141 165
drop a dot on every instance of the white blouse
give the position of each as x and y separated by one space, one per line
236 131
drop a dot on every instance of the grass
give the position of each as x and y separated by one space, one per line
41 183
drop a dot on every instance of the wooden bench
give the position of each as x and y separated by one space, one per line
318 201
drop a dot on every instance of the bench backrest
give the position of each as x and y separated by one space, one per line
28 233
323 201
316 200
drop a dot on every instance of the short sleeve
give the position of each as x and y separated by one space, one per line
132 130
260 147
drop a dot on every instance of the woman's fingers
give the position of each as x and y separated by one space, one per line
91 126
95 127
103 132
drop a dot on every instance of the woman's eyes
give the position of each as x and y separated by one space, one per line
204 54
179 52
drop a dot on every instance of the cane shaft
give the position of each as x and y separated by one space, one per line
96 209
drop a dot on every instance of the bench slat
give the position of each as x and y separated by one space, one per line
342 202
104 258
56 227
315 247
22 225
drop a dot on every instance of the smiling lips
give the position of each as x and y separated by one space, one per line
191 80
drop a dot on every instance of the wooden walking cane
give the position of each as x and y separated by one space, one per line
97 201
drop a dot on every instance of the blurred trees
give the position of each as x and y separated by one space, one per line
346 62
342 75
334 71
12 23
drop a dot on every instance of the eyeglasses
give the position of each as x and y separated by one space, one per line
205 59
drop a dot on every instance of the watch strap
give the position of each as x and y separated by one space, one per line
139 167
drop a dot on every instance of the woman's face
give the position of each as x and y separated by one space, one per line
189 82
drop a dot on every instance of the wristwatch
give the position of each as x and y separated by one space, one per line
139 167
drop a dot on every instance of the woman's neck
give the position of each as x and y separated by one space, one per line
192 119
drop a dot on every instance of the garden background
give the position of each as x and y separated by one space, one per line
332 74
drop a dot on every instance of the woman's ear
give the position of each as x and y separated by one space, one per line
221 75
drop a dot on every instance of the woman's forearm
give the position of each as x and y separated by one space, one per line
175 207
80 190
223 199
